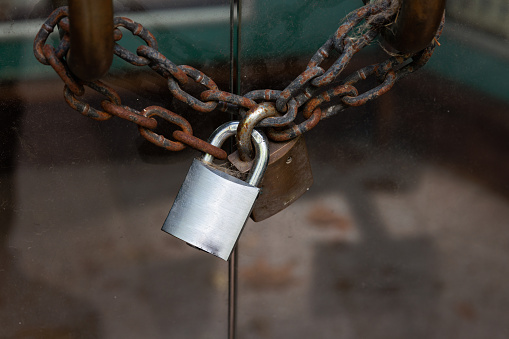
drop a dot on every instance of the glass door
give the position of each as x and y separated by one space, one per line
403 233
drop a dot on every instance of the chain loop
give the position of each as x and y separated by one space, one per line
190 100
64 46
85 108
234 99
295 129
46 29
129 114
138 30
60 67
200 145
263 94
358 100
309 90
297 85
169 116
326 96
272 95
161 64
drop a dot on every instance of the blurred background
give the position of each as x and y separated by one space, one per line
404 233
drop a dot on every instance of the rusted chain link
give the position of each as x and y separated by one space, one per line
311 89
85 108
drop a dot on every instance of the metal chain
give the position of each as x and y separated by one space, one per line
312 88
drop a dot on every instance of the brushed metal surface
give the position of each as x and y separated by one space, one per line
210 210
212 207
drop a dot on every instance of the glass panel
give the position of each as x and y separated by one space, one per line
82 201
404 231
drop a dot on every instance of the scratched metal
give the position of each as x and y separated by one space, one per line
247 125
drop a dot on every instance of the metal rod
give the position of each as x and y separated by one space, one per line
232 294
91 26
416 25
235 14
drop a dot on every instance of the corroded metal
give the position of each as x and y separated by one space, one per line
295 86
161 64
238 100
129 114
190 100
84 108
62 70
342 90
200 144
139 31
295 130
384 87
46 29
247 125
306 94
169 116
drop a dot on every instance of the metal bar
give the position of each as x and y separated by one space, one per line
232 294
235 15
91 28
415 26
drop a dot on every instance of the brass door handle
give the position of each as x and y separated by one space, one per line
416 24
91 30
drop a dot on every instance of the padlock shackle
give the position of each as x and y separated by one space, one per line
247 125
261 146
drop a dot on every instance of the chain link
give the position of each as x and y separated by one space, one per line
310 89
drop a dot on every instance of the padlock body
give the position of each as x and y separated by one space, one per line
287 177
210 209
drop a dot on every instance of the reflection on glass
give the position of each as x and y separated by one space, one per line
402 235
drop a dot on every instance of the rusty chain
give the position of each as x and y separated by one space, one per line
310 90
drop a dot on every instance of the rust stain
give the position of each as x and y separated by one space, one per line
200 144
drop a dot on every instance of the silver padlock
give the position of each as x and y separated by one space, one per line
212 207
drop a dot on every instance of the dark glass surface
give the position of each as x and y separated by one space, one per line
402 235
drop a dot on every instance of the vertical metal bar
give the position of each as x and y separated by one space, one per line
415 26
235 15
232 294
91 26
235 18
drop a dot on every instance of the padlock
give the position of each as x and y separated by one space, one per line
287 178
288 174
212 207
